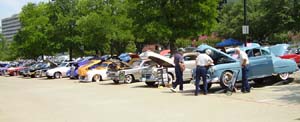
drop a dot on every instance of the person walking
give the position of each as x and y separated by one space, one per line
202 62
244 61
179 68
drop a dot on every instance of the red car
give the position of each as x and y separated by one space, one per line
284 51
292 54
15 70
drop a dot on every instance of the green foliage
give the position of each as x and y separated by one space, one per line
266 19
167 20
183 42
33 39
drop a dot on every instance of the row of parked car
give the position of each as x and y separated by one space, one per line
153 68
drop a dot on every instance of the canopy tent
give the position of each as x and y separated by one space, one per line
229 42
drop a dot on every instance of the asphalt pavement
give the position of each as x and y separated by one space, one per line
64 100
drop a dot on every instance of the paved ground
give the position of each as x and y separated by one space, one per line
64 100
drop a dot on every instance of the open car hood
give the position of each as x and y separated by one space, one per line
215 52
159 59
52 64
279 49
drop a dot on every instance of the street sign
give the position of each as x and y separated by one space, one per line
245 29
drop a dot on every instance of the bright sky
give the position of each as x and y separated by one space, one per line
10 7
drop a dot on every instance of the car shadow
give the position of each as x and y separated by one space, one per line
238 86
145 86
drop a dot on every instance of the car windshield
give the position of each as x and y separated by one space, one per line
63 65
44 65
136 63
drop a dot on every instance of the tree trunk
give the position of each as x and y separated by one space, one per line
111 47
172 47
71 53
97 52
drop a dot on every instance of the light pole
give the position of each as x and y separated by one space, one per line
245 27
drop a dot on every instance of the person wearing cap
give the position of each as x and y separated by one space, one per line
179 67
244 61
203 60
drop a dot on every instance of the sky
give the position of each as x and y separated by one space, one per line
10 7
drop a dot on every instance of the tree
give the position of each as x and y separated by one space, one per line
33 40
265 18
168 20
64 19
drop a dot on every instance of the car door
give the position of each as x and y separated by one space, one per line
190 63
260 63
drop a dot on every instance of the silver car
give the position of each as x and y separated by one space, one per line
132 73
164 72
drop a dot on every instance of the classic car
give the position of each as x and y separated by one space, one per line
131 73
3 69
25 71
60 71
99 73
82 70
263 64
14 71
41 69
286 52
73 72
164 72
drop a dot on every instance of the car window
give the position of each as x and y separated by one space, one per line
264 52
256 52
249 53
190 58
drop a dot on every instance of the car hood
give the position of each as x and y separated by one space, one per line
279 49
214 51
159 59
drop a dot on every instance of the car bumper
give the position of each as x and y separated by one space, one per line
151 78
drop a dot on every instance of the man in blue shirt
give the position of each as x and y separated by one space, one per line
179 67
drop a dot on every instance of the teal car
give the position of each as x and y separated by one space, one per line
263 64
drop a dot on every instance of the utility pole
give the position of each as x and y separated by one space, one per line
245 27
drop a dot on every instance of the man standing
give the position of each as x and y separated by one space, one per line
244 61
202 62
179 67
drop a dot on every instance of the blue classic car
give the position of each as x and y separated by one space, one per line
263 64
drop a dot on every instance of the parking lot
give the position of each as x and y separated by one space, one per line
64 100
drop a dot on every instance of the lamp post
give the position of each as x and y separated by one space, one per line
245 26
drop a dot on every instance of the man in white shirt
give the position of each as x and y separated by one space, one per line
202 61
244 61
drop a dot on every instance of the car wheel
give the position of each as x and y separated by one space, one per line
226 79
37 75
283 76
116 81
128 79
208 86
96 78
150 83
57 75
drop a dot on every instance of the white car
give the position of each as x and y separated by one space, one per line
60 71
97 74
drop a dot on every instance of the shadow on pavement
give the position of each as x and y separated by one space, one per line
145 86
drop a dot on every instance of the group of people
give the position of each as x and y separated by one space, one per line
203 61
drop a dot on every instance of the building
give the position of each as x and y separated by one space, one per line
10 26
